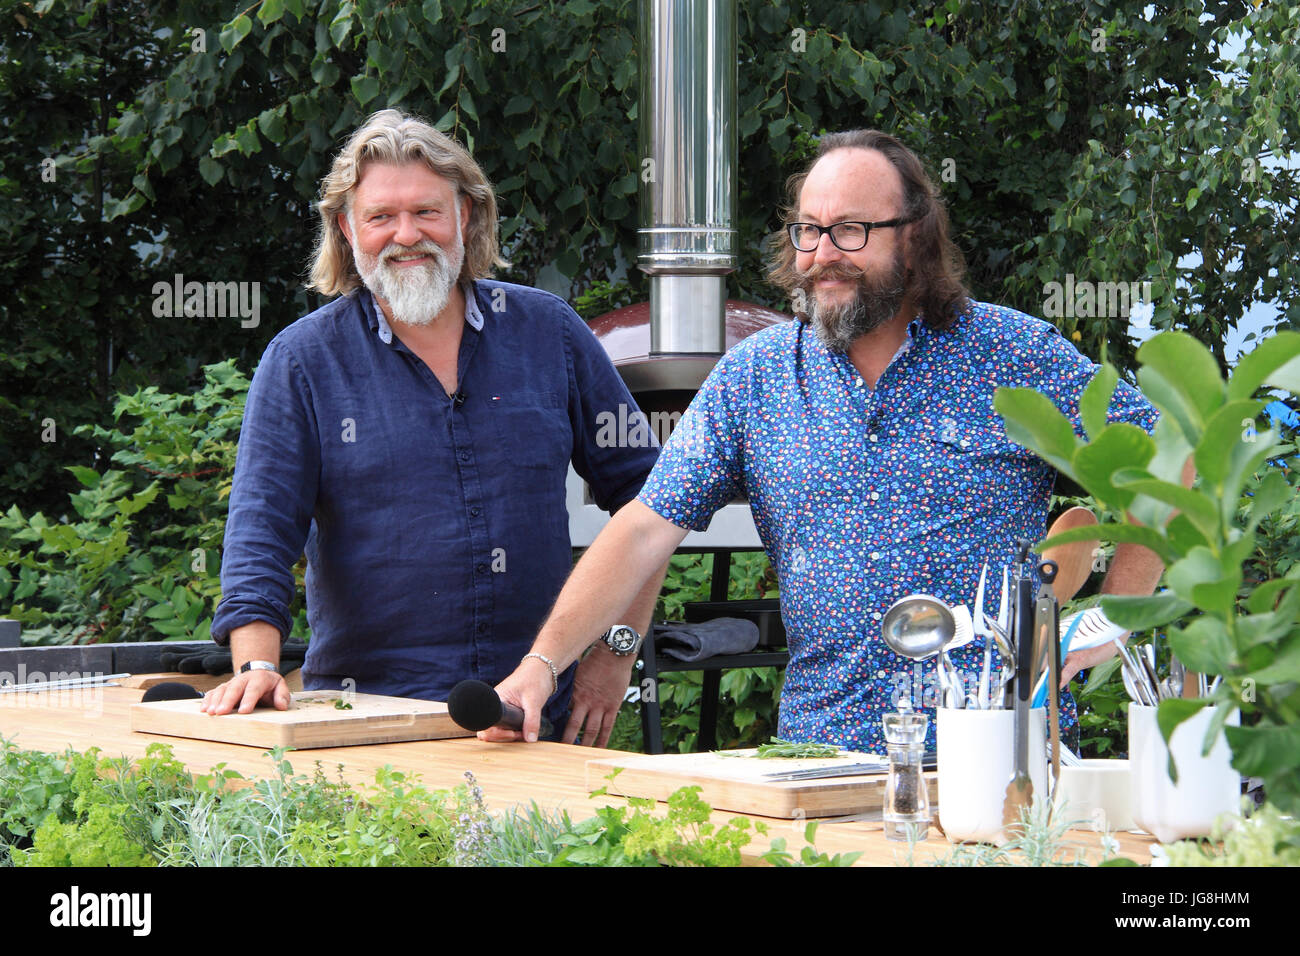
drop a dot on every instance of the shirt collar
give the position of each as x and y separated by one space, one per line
913 331
379 323
913 339
472 314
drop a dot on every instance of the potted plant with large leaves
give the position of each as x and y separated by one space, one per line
1249 636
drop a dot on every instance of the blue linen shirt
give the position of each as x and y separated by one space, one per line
864 495
435 527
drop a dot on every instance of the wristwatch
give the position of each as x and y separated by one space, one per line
622 640
258 666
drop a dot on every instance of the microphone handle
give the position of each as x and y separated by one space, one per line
512 718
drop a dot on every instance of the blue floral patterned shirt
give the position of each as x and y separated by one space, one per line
863 495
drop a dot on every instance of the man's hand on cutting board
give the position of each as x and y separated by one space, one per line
598 688
243 692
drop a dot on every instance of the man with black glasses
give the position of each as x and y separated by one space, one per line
865 438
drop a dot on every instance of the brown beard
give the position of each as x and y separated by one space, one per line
876 300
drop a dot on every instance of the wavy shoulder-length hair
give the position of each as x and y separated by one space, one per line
935 283
392 137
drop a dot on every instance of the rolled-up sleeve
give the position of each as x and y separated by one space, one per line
277 473
701 466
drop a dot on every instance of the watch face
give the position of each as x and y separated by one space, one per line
622 640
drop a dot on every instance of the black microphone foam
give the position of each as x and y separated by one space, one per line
474 705
170 690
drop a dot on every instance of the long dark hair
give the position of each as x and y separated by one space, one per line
935 282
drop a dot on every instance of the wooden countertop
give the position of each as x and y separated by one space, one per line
554 775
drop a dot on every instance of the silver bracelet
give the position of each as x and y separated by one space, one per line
555 677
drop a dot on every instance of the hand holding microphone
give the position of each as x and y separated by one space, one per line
476 706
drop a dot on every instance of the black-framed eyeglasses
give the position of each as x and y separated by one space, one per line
847 236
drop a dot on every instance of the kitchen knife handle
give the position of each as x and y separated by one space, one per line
1025 641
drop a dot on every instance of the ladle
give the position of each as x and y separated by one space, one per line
920 626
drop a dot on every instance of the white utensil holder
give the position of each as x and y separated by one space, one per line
1207 788
976 751
1096 794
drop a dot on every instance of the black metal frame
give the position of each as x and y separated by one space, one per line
651 664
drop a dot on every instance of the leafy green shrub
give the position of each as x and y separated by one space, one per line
690 577
33 786
527 836
82 810
1248 633
778 855
635 836
1103 713
1267 838
99 839
601 297
88 811
131 569
1043 837
750 696
399 823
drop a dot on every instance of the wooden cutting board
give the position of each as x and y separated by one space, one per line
312 720
734 780
204 682
197 681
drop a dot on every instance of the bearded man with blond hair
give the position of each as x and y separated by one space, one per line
413 437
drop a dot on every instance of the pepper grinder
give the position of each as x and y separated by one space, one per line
907 801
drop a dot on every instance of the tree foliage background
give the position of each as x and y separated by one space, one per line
1110 141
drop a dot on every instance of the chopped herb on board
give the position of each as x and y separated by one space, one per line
786 748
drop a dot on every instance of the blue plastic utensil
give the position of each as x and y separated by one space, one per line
1040 692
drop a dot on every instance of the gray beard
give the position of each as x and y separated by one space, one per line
415 296
874 303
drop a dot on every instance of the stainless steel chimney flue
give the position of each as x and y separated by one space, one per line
687 113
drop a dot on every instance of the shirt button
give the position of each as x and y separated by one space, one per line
482 628
875 555
858 381
481 568
464 456
875 615
875 496
872 438
475 511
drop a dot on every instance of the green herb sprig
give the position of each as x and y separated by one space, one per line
787 748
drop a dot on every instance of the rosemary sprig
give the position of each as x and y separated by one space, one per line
787 748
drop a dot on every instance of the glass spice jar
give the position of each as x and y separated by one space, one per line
907 801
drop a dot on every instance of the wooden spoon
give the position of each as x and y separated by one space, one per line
1073 561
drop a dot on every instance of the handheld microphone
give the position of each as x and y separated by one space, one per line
170 690
475 706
